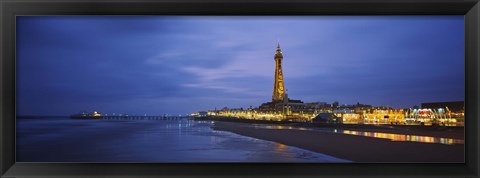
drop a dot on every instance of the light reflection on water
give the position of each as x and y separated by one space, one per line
402 137
280 147
279 127
390 136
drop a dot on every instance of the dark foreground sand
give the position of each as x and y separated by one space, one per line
351 147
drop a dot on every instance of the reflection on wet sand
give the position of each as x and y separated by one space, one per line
382 135
280 147
402 137
279 127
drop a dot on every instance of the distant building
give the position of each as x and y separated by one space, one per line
202 113
454 106
326 118
286 106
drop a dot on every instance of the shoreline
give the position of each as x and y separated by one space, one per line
455 132
351 147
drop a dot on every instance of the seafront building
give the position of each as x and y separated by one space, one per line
283 108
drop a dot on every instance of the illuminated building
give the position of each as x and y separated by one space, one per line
384 116
278 85
439 113
96 114
280 103
435 116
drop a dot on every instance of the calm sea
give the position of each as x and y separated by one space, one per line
69 140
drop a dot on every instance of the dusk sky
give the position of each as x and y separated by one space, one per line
159 65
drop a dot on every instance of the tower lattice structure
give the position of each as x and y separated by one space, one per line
278 86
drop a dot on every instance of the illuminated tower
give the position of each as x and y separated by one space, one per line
278 86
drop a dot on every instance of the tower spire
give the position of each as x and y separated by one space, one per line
278 44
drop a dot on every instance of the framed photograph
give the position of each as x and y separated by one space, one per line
179 89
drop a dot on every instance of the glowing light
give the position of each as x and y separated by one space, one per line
410 138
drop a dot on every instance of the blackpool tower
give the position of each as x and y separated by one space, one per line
278 86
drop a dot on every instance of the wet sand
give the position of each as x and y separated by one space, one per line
456 132
432 131
352 147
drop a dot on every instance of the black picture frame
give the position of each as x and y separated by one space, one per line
12 8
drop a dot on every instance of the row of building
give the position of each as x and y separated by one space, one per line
439 113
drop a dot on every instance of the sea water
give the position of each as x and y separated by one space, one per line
44 139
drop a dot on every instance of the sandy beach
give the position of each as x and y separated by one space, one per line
353 147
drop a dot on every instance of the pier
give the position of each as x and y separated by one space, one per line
143 117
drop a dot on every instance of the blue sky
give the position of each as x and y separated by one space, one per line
182 64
